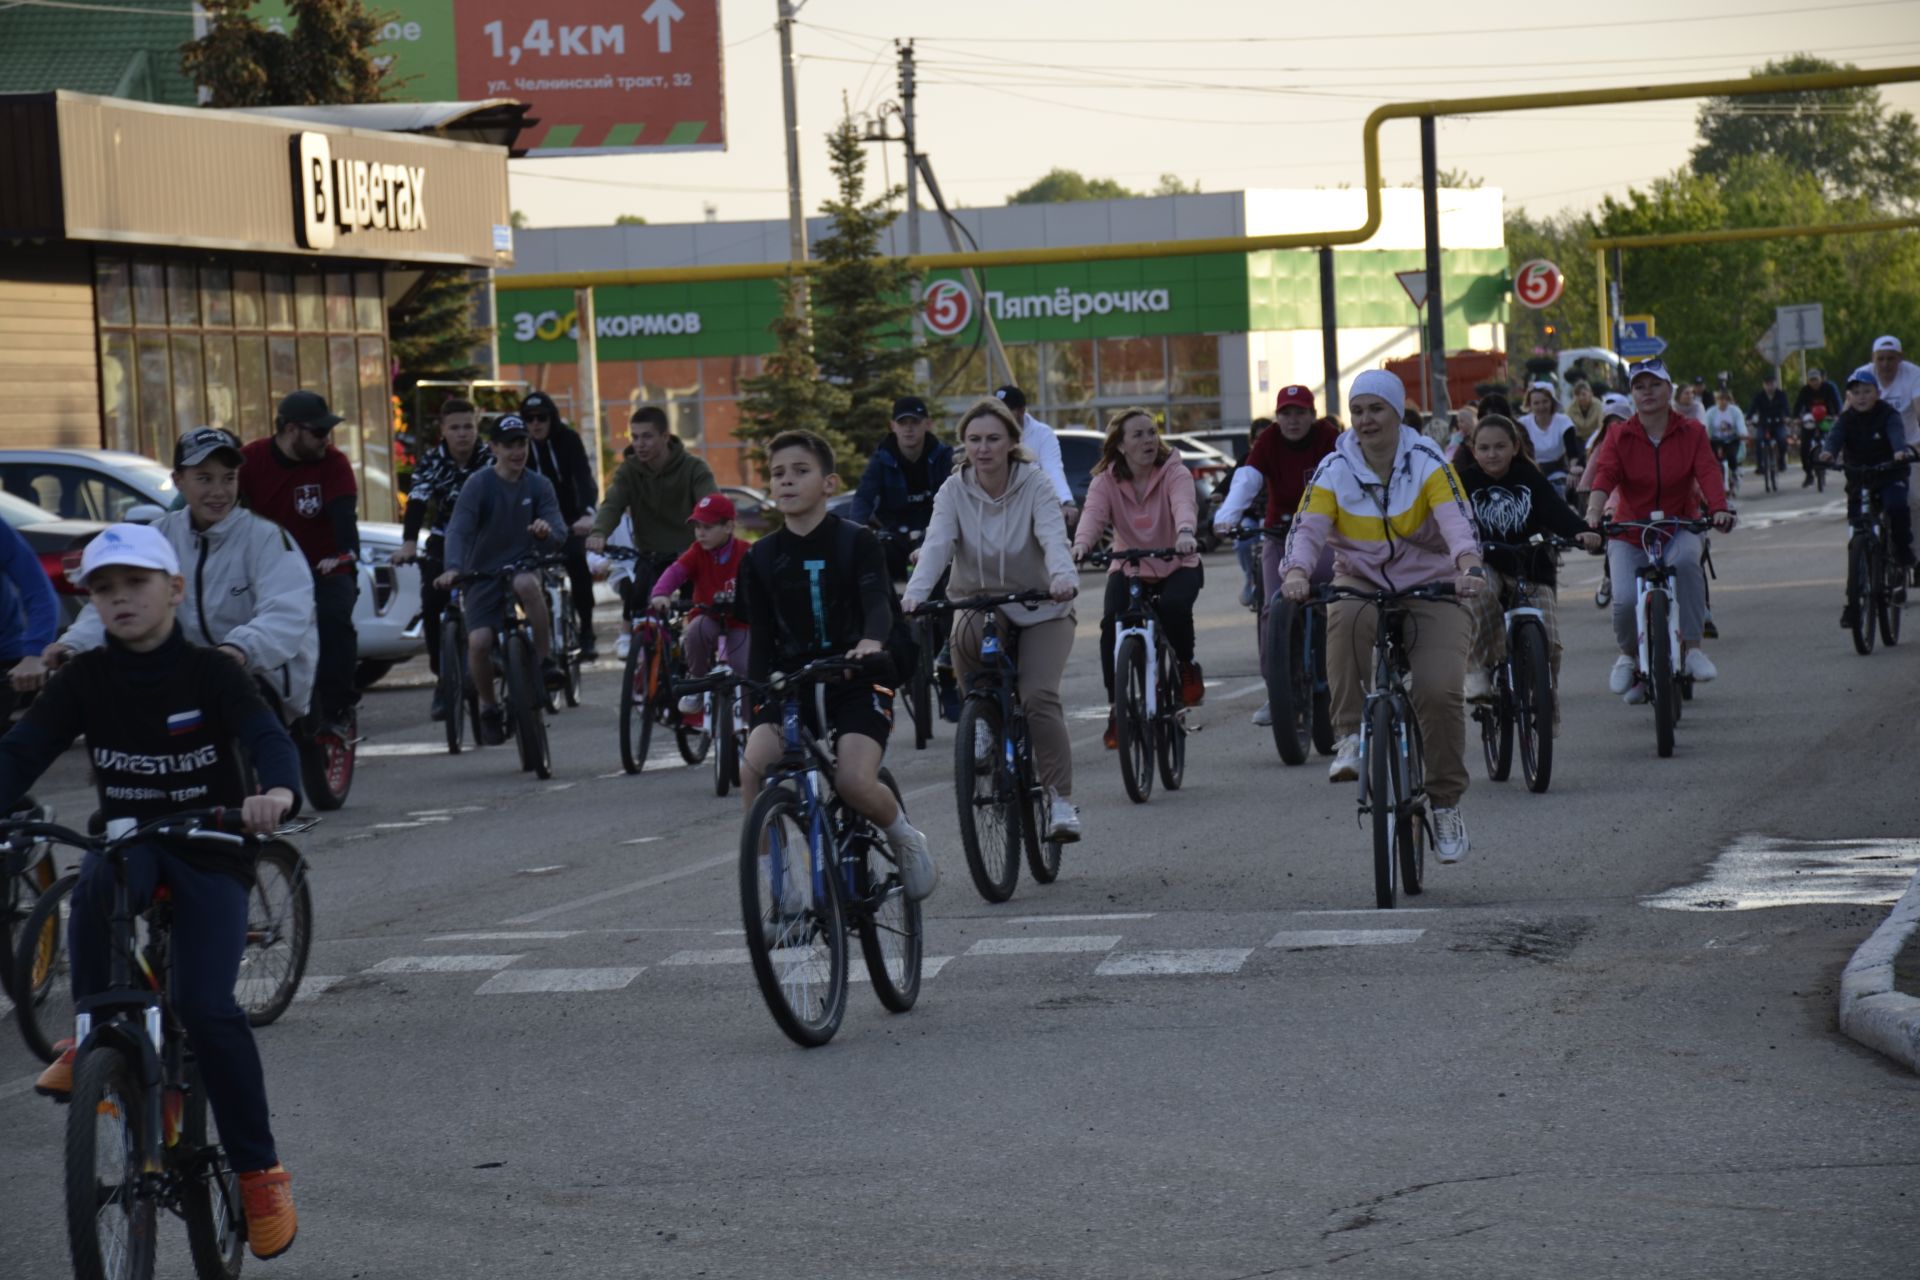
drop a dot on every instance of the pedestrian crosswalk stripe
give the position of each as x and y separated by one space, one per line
1170 963
442 964
532 935
543 981
1040 945
1297 938
724 955
1765 871
929 966
315 985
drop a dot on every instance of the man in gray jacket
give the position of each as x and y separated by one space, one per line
249 591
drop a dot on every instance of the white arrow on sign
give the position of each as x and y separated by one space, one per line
665 13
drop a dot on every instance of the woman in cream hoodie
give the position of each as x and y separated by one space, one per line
997 523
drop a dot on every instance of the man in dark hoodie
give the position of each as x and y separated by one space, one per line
1867 433
560 455
897 488
657 486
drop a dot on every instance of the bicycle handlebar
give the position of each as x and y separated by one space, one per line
1330 592
209 826
971 603
817 670
526 564
1551 541
1665 522
1264 531
1135 556
1863 468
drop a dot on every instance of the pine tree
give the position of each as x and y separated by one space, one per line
789 394
433 335
324 58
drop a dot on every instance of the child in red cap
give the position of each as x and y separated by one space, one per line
712 564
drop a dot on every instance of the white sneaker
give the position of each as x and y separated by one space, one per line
1637 695
692 704
1700 666
1264 716
1346 760
982 746
1449 835
1478 686
622 644
1621 677
1063 820
918 874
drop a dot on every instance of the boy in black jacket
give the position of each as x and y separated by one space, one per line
160 717
1868 432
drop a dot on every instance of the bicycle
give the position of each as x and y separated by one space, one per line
563 628
1811 434
1658 664
1393 786
1293 647
724 715
655 664
519 689
811 869
919 683
1727 452
1149 721
27 870
1876 580
138 1137
1523 700
1002 804
1768 465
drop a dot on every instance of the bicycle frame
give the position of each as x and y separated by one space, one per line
1648 579
1139 620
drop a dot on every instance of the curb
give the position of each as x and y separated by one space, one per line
1871 1011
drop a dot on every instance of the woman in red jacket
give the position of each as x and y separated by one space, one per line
1657 461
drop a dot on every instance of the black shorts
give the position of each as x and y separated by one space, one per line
853 706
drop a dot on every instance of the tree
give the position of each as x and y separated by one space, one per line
518 220
1061 185
325 59
434 336
1171 185
1846 138
789 394
1561 240
629 220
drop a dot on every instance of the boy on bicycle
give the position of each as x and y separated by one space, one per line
161 718
1869 432
712 564
818 587
501 512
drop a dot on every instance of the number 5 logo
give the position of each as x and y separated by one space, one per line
948 307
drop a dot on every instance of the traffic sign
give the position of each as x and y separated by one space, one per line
1538 284
1800 328
1641 348
1415 283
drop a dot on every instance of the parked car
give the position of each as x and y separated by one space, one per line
754 515
107 485
1225 440
56 543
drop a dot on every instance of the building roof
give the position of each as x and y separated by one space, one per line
124 54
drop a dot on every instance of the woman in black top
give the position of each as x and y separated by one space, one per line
1512 501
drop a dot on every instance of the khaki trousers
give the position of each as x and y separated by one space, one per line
1438 634
1044 647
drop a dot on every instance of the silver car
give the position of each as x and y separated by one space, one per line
108 485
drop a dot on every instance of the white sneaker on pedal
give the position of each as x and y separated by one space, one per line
1478 686
1620 679
1449 835
1699 666
1346 760
1636 695
692 704
982 746
1063 820
918 874
622 644
1264 716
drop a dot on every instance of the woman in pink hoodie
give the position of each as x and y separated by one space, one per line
1145 492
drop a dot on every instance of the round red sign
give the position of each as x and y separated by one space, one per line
1538 284
948 307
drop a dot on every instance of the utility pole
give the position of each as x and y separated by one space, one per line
1438 401
796 220
922 374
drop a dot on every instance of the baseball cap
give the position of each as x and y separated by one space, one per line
308 409
508 425
1615 405
1658 368
910 407
715 508
1885 342
1296 396
201 443
539 402
134 545
1865 374
1013 397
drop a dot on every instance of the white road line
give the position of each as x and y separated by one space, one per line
1173 963
1343 937
641 840
560 786
315 985
1070 918
638 886
376 750
1367 911
1044 945
529 935
442 964
398 826
517 982
929 967
1753 872
723 955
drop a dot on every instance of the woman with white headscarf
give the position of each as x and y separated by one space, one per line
1557 450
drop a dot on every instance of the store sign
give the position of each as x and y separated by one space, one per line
548 326
336 196
947 307
1077 305
1538 284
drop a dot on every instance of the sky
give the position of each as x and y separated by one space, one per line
1224 93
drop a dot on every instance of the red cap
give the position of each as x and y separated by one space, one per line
1297 396
715 508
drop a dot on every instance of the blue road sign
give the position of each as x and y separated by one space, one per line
1642 348
1634 329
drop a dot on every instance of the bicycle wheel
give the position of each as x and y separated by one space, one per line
989 803
529 706
567 649
725 764
1496 723
1410 822
1323 741
1170 735
110 1224
453 682
326 761
1135 730
1533 704
1860 594
1662 690
1890 598
279 934
1383 801
636 725
693 743
920 690
42 978
209 1193
796 934
890 933
1043 855
1289 691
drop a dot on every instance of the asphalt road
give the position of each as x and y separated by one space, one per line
1603 1046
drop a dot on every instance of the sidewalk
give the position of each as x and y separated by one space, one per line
1872 1008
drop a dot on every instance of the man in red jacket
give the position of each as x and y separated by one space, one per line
298 480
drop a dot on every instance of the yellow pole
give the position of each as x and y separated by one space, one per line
1602 243
1600 298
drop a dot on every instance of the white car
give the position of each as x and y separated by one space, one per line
108 485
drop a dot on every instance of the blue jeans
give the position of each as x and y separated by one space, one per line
209 935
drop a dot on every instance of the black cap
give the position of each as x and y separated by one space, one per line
201 443
910 407
508 426
542 403
1013 397
1769 376
307 409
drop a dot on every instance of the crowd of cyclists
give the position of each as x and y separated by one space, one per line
255 570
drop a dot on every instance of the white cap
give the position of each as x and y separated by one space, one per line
1886 342
135 545
1655 367
1541 384
1616 405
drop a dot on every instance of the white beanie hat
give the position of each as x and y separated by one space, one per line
1378 382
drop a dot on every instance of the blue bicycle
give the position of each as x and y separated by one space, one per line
811 868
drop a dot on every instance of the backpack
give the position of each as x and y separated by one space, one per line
899 645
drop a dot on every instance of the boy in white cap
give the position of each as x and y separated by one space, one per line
161 717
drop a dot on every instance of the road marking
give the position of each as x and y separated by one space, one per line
442 964
1173 963
638 886
398 826
531 935
517 982
723 955
1070 919
641 840
1367 911
1044 945
1298 938
315 985
447 813
560 786
541 871
377 750
929 967
1765 871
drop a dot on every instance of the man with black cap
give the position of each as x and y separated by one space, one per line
249 592
1818 399
560 455
1768 417
298 480
896 491
1039 437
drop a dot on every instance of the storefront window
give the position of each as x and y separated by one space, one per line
313 363
1026 369
223 390
283 369
149 293
339 287
155 392
279 300
376 473
309 302
1133 368
116 389
1069 372
112 291
248 309
183 296
254 409
216 296
189 402
368 303
1195 360
1198 416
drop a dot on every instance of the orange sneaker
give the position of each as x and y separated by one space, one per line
56 1081
1112 738
267 1195
1193 689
